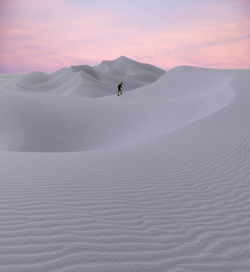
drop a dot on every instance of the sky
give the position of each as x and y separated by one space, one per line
46 35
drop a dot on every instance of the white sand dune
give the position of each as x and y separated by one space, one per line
160 181
87 81
51 123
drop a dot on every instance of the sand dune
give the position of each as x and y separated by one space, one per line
56 124
160 181
87 81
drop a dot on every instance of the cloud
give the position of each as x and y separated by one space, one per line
36 37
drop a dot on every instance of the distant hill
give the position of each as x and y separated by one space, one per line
87 81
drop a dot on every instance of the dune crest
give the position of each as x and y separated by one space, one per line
52 123
87 81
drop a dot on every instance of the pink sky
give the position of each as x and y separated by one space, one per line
49 34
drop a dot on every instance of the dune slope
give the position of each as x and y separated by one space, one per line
166 193
49 123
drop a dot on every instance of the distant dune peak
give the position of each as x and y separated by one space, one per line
35 77
88 81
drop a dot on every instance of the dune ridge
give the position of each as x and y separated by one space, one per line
59 123
173 198
87 81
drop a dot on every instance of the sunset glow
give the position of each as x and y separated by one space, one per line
49 34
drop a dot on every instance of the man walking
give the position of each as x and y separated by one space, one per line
120 87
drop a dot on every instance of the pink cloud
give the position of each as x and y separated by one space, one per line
35 37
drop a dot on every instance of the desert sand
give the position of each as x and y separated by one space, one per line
154 180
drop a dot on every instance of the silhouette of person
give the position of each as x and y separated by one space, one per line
120 87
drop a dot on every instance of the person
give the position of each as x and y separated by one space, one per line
120 87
